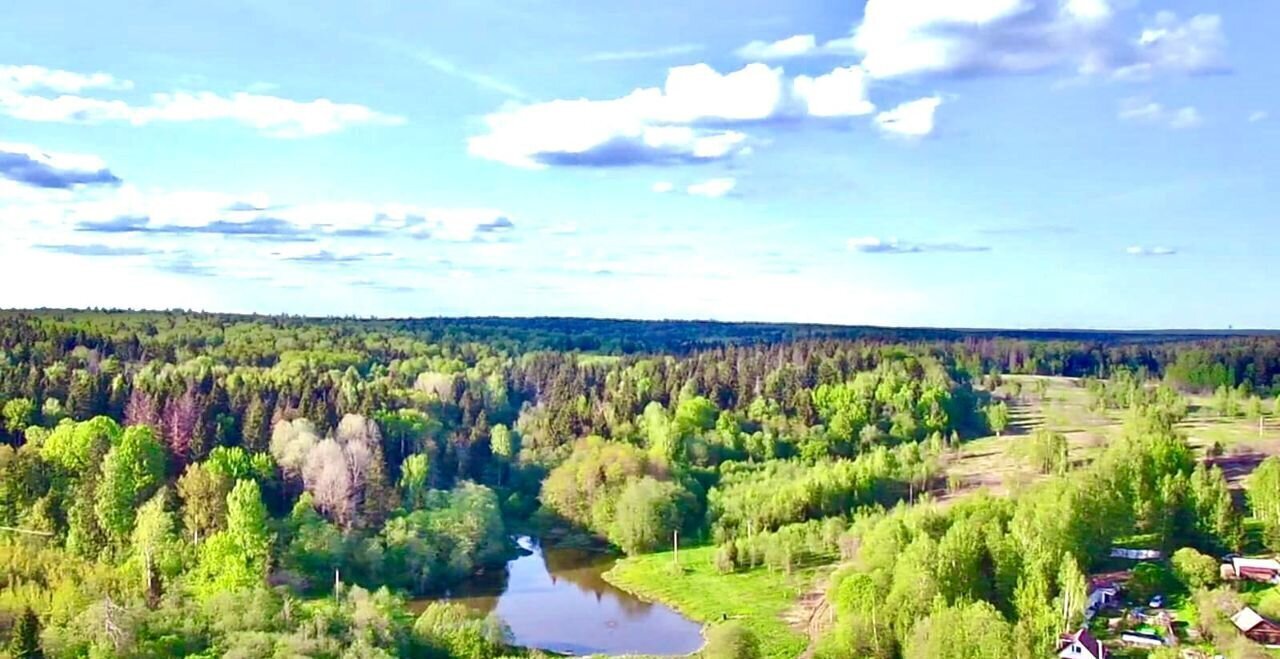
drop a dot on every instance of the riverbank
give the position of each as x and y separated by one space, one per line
757 598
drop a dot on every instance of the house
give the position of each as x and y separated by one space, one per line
1266 570
1256 628
1080 645
1101 593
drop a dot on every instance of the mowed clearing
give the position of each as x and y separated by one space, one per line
997 464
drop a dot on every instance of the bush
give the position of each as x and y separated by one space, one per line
1195 570
731 641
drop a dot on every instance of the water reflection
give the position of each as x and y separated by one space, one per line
557 599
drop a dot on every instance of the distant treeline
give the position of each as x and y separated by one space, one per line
1194 359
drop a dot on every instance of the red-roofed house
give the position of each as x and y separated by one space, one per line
1266 570
1080 645
1257 628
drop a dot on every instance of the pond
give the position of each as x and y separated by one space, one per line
556 599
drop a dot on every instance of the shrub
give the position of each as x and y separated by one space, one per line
731 641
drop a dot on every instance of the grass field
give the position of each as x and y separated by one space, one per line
757 598
994 462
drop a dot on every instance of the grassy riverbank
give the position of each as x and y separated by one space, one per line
756 598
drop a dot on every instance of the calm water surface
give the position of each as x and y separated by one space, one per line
556 599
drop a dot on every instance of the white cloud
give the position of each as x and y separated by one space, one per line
20 78
714 188
32 166
271 115
840 93
1258 115
653 53
1150 112
874 245
800 44
954 37
912 119
690 119
663 187
1138 250
1195 45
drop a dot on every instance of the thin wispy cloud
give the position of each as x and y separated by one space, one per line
446 66
1138 250
52 97
1145 111
97 249
874 245
651 53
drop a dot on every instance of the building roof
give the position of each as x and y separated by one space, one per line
1083 637
1256 563
1246 619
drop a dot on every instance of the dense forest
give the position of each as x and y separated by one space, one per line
216 485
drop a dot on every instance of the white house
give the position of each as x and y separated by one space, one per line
1080 645
1266 570
1100 594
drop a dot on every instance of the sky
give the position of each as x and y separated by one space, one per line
959 163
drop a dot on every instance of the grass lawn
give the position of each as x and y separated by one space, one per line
757 598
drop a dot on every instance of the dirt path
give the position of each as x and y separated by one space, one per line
812 614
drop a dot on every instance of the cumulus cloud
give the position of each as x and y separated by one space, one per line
1138 250
1258 115
32 166
913 119
874 245
1146 111
272 116
946 37
662 187
691 119
713 188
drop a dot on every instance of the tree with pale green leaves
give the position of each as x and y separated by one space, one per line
239 556
131 471
18 414
204 501
648 512
153 539
971 630
415 475
1263 494
998 417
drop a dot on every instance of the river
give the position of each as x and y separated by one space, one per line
557 600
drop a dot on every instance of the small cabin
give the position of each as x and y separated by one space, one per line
1256 628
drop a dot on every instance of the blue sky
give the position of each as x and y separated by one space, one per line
1013 163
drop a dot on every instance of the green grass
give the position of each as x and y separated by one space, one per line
756 598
